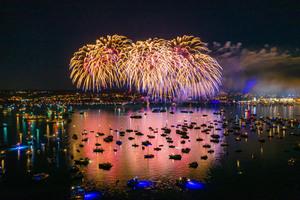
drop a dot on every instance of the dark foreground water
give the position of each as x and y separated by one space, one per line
246 169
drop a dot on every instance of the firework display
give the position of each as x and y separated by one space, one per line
157 67
150 68
96 66
197 73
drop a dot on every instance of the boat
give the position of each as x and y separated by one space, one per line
147 156
105 166
184 111
185 150
155 110
205 157
175 157
167 130
210 151
193 165
146 143
214 140
98 150
185 137
139 133
135 145
108 139
130 138
224 144
99 134
215 136
136 117
82 161
74 137
206 146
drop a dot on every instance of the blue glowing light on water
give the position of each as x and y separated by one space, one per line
194 185
215 101
139 184
92 195
144 184
18 147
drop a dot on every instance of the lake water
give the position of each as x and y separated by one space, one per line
244 169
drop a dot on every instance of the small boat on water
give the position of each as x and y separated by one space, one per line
147 156
206 146
136 117
184 111
74 137
185 150
175 157
135 145
98 150
156 110
146 143
109 138
82 161
205 157
105 166
193 165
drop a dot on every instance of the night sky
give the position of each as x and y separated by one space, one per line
38 38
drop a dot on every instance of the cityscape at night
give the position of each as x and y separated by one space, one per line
150 100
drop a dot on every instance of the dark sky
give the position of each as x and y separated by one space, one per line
38 38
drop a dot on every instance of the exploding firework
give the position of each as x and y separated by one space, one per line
97 66
150 68
198 74
157 67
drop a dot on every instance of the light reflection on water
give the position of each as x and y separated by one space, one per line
128 161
